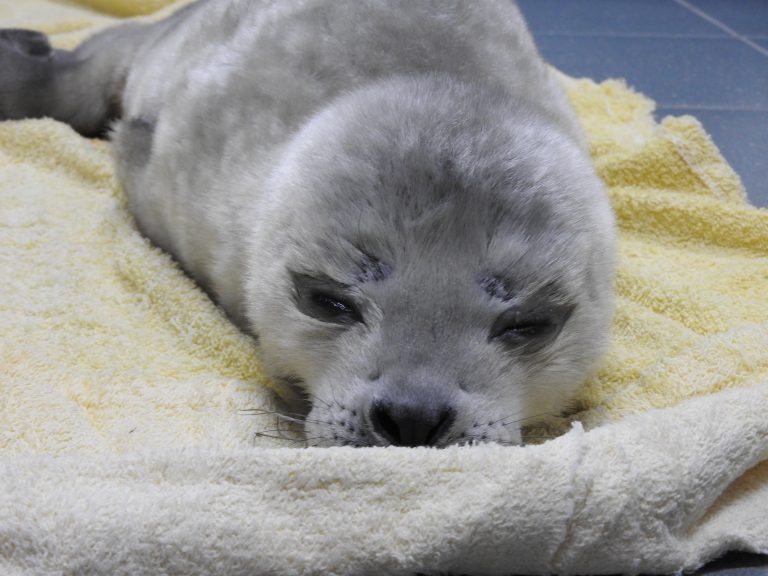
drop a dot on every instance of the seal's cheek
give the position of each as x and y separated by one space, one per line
338 415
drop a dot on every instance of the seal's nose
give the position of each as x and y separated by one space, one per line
404 424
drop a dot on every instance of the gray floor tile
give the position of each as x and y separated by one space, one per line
742 137
715 73
747 17
615 17
736 564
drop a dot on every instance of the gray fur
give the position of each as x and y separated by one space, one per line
416 156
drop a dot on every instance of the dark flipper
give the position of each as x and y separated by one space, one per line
26 74
38 81
83 88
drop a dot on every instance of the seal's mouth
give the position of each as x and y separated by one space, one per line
301 418
339 425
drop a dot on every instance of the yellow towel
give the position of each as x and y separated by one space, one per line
113 361
692 316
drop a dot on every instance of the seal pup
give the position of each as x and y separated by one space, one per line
394 197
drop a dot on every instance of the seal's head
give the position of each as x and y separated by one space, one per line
434 266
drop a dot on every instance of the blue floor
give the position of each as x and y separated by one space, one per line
707 58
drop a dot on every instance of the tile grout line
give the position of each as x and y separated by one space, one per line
725 28
712 108
666 36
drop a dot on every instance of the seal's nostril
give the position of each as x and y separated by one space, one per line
444 422
384 424
408 425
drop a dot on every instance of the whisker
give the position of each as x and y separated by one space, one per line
266 434
333 395
503 421
287 416
279 430
264 411
316 397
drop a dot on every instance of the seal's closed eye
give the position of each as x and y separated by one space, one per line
529 331
325 299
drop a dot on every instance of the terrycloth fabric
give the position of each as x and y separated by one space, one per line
122 450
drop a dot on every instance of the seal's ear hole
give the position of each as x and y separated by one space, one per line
325 299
